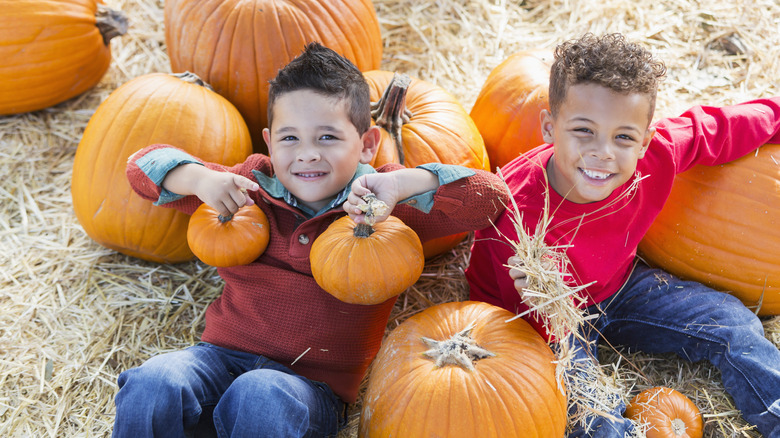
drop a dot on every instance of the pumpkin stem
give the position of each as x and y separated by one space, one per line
678 427
363 230
390 112
192 78
110 23
372 208
461 349
223 219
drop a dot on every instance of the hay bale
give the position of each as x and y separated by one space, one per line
73 315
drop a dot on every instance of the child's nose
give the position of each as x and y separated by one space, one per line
603 150
308 153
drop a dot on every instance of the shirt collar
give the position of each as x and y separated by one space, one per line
276 189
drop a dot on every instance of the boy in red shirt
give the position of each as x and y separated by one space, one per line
609 172
281 357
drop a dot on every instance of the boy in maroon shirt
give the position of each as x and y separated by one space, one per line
280 356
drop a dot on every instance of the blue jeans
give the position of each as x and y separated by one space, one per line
656 312
249 395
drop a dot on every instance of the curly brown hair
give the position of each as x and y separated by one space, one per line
609 61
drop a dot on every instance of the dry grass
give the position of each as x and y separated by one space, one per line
73 314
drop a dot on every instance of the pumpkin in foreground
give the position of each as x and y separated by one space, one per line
364 264
53 50
666 413
721 227
237 46
508 105
223 241
460 369
179 110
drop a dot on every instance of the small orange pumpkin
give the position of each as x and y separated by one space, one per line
228 241
364 264
461 369
721 227
507 108
154 108
53 50
666 413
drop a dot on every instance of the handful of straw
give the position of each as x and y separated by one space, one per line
559 306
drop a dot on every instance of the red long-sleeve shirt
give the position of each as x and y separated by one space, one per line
273 307
601 238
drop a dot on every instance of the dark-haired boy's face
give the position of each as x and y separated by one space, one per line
599 136
314 147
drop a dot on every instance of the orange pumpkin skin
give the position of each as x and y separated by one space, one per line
721 227
508 106
153 108
237 46
51 51
440 130
366 270
440 245
223 242
512 394
667 413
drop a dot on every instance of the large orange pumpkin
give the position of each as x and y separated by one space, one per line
53 50
153 108
507 108
721 227
223 241
237 46
666 413
364 264
461 370
423 123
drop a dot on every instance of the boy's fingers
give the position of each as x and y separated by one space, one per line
245 183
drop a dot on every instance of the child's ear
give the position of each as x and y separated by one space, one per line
370 141
646 142
267 139
546 123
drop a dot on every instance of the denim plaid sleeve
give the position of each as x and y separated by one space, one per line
156 165
447 173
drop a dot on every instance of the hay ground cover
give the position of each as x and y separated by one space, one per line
73 314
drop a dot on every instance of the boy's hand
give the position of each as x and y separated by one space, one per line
382 185
517 273
224 191
389 187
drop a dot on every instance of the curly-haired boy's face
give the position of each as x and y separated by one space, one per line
598 135
314 147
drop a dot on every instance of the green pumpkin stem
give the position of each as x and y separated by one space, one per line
192 78
390 111
223 219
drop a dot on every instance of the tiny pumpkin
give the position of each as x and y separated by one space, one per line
223 241
461 369
366 264
666 413
508 105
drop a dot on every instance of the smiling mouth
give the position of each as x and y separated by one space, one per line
310 174
594 174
